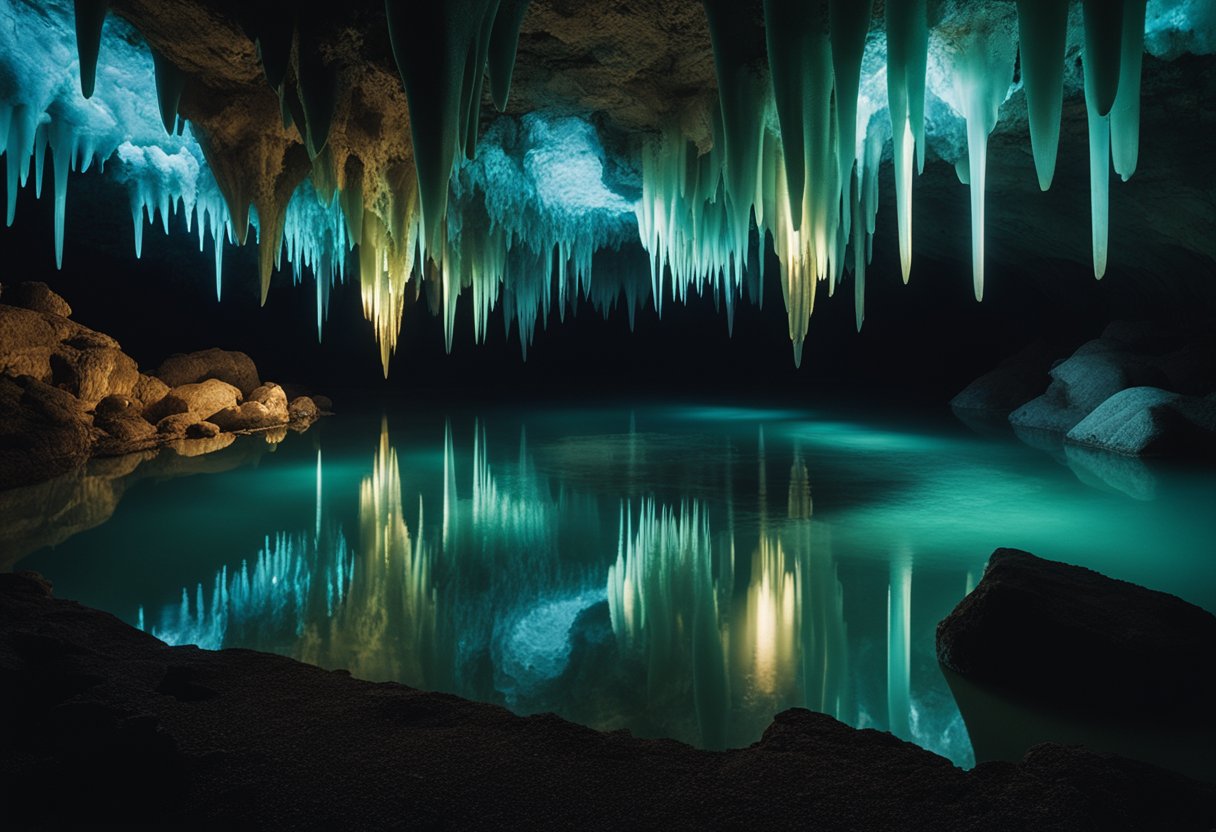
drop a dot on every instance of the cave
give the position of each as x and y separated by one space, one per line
640 413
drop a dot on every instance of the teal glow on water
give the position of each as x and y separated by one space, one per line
681 572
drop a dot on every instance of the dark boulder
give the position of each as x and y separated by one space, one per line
1071 636
38 297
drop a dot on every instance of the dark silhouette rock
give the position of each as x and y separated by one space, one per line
140 733
1071 636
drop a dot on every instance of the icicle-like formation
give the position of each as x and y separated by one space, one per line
907 58
980 59
1042 31
1125 114
516 217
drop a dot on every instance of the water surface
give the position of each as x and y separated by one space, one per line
678 571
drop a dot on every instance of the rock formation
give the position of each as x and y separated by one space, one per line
68 393
142 733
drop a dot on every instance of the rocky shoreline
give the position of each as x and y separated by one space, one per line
69 394
142 733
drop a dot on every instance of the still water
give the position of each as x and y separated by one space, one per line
679 571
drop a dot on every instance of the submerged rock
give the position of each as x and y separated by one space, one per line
231 366
1071 636
146 734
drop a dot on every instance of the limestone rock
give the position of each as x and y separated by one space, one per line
94 372
1071 636
1093 374
1017 380
1142 421
302 409
247 416
44 431
275 400
176 425
202 430
37 296
124 432
149 389
236 368
203 398
115 404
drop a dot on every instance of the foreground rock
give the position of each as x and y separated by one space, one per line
68 393
142 733
1067 635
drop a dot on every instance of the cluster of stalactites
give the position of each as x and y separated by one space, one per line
811 183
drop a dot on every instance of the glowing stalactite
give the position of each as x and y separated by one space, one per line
1125 113
1042 31
907 58
981 61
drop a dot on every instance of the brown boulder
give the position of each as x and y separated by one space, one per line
302 409
124 432
236 368
248 416
203 398
177 424
38 297
203 430
93 373
114 405
149 390
44 431
274 398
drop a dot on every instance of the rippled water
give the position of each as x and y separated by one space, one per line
682 572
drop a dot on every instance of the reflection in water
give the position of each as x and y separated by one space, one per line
647 576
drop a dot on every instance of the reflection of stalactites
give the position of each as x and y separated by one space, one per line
801 507
663 605
392 603
449 485
770 617
899 615
822 631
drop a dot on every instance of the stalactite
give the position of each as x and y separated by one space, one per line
1042 31
1125 113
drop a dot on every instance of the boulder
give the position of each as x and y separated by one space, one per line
1144 421
247 416
29 339
323 403
1093 374
94 372
114 405
203 398
176 425
1069 636
36 296
44 431
275 400
124 432
202 430
1015 381
236 368
302 409
149 390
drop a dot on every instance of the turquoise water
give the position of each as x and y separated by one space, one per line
677 571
